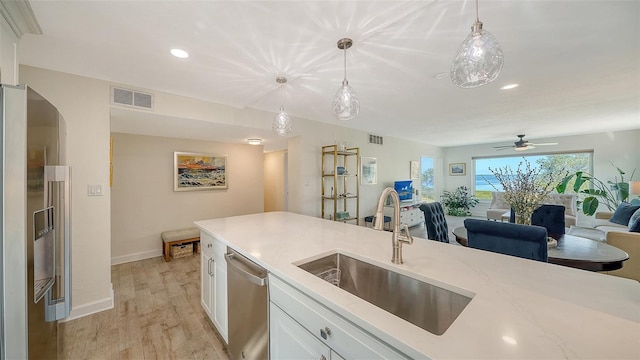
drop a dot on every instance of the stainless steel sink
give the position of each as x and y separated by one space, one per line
428 306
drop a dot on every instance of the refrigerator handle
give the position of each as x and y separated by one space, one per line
60 307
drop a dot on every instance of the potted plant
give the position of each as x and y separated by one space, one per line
611 193
458 202
525 189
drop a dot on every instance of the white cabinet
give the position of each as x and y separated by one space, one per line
289 340
206 283
410 214
213 283
298 323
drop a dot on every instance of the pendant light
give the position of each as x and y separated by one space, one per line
479 59
281 124
346 105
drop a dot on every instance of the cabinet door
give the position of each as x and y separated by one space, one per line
220 299
206 283
289 340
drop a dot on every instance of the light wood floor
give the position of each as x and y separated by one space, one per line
157 315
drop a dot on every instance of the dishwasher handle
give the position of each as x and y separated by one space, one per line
246 269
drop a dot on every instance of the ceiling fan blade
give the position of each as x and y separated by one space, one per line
543 144
503 147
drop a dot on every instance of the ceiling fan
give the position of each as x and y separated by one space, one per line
522 144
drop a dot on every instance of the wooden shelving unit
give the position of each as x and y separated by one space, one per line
341 184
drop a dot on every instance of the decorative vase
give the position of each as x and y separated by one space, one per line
523 217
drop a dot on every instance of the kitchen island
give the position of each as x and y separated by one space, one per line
519 308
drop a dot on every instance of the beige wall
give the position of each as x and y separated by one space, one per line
274 180
84 104
143 203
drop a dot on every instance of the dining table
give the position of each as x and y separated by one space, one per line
573 251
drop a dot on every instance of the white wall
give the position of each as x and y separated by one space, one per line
143 203
621 148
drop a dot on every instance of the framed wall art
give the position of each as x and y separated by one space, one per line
199 171
457 169
369 173
414 170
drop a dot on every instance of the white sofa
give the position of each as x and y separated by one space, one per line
499 206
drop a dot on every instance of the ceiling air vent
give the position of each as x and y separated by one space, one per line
132 98
375 139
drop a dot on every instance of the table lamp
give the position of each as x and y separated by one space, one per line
634 188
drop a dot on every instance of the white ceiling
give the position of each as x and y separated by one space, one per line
577 62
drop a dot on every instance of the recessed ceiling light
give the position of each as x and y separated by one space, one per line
254 141
179 53
509 340
509 86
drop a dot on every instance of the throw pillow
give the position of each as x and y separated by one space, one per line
635 227
623 213
634 217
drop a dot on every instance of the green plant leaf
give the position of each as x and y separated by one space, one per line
590 205
562 186
580 179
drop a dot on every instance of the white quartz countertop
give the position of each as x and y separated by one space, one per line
520 308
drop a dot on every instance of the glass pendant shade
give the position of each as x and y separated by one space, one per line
346 105
281 124
479 59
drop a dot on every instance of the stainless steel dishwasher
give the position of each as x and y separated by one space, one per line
248 308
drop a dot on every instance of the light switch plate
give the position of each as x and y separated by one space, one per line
94 190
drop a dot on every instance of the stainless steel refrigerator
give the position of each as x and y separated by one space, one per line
35 261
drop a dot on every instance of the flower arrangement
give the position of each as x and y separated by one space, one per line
458 202
524 190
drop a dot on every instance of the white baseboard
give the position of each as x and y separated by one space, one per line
135 257
91 308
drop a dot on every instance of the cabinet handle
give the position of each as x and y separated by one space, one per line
209 245
209 267
325 332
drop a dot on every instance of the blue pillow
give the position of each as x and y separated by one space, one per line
634 217
635 227
623 213
635 201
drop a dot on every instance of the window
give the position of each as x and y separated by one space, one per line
427 192
558 163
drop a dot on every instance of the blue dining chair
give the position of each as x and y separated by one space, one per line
435 221
551 217
525 241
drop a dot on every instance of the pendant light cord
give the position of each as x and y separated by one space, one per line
477 16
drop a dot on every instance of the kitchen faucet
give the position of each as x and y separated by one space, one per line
398 237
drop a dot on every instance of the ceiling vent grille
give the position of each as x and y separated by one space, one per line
375 139
131 98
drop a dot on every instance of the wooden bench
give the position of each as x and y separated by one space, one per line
177 237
